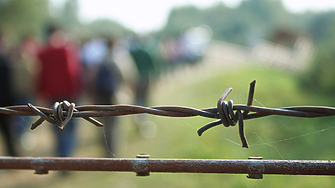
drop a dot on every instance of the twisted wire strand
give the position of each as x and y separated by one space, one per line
226 113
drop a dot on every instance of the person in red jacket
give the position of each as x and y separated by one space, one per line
60 79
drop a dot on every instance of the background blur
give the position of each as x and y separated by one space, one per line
197 51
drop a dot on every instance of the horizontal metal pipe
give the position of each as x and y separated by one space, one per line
144 166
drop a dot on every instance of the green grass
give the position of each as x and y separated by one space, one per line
269 137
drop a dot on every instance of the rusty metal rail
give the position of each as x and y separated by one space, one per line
143 165
226 113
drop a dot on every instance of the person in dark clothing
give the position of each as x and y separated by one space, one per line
108 78
6 98
145 68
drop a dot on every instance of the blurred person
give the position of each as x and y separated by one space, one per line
6 97
145 67
24 69
93 53
146 70
107 80
59 79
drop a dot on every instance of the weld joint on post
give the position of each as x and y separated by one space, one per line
142 169
255 168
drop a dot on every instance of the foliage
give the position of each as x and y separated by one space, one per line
106 28
321 26
19 18
320 76
256 17
240 25
180 17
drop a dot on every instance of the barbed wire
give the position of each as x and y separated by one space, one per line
227 113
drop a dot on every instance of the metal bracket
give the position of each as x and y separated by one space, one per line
141 167
256 168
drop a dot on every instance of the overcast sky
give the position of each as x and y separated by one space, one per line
148 15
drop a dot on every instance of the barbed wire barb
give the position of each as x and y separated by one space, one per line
226 113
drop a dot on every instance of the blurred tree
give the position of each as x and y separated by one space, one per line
265 13
69 20
230 24
69 17
321 25
21 17
107 28
226 23
320 76
181 17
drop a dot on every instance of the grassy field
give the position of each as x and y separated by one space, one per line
269 137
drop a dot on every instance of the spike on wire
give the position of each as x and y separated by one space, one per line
224 114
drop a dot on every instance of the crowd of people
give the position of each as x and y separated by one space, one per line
60 68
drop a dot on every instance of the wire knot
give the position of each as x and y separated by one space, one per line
61 118
227 115
62 112
226 111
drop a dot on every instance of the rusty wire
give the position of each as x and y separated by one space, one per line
143 165
227 113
